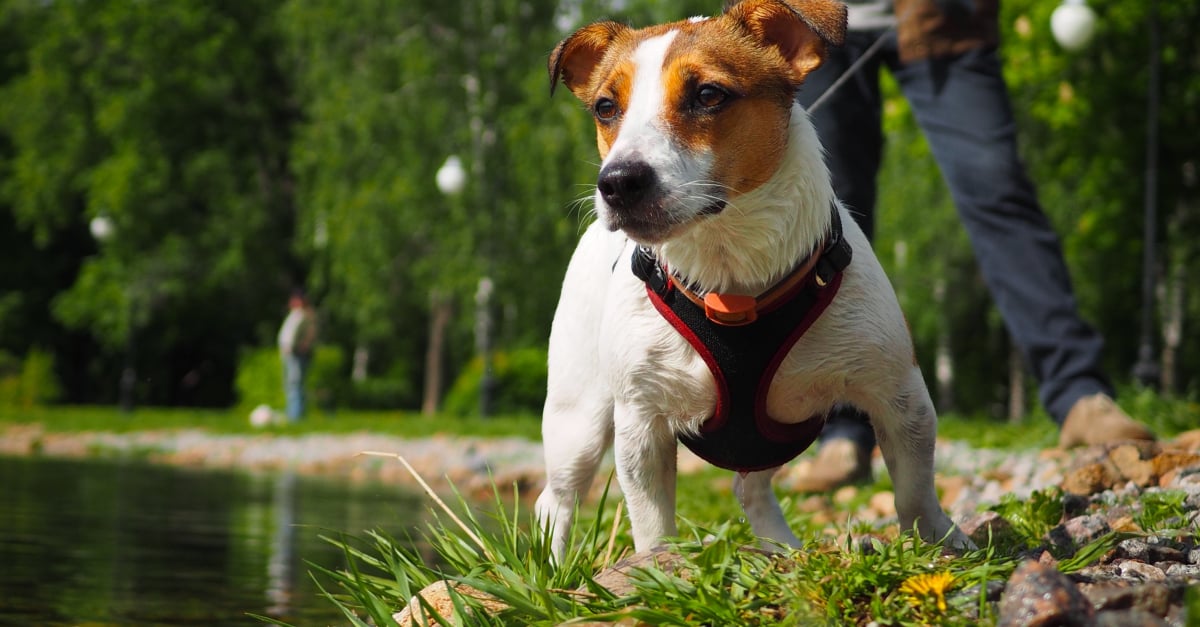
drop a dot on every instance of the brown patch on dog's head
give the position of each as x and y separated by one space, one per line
574 59
773 22
704 103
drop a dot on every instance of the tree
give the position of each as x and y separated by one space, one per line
171 122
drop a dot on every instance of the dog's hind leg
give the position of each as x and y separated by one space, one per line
758 500
906 429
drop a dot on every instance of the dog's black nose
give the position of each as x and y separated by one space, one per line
622 185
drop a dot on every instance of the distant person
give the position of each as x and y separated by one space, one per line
943 54
297 339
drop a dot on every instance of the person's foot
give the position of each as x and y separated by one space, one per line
1096 419
839 462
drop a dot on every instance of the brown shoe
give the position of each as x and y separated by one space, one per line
1096 419
839 462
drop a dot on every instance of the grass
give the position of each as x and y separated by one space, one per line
839 578
1164 415
834 580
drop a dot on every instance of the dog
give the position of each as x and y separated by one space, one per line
713 207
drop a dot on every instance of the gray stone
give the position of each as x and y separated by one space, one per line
1037 595
1140 571
1129 618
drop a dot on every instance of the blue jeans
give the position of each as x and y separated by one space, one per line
962 106
295 367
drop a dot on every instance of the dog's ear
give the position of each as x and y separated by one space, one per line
576 57
798 29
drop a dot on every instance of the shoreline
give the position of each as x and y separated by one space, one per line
470 464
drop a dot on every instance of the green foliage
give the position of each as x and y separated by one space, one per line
1161 510
395 388
717 582
1034 517
519 384
260 378
28 382
239 148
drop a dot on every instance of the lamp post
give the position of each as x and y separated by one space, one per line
1146 370
451 180
103 229
1073 24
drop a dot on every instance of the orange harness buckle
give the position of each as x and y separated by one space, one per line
731 310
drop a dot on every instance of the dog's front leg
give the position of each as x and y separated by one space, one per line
645 456
906 429
758 500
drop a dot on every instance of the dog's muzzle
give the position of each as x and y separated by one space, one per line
639 204
625 185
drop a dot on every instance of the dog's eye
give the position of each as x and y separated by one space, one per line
605 109
709 96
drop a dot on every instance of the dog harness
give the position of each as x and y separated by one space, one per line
744 340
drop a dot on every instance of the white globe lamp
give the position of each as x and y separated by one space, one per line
451 177
102 228
1073 24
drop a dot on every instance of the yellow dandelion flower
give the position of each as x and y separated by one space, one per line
928 584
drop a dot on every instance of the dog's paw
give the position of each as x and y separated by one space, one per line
956 542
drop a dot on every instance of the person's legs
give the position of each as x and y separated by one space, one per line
962 105
293 386
849 124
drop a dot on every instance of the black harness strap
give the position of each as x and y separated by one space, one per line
744 359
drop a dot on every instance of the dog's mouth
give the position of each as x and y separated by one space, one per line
713 208
656 225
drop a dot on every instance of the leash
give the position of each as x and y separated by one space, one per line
871 51
853 69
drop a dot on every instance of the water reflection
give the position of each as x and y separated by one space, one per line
84 541
280 559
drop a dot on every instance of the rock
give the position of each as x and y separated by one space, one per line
437 595
1170 461
1129 618
1090 479
1187 441
1078 531
980 526
1039 596
1152 597
1141 550
1127 458
616 578
883 504
951 488
1141 571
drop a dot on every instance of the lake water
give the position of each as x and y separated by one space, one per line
122 543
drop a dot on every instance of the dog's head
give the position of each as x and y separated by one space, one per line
691 114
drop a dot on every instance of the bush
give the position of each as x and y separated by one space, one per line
28 382
520 384
394 389
260 378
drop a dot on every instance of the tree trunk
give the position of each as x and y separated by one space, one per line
1016 385
362 363
440 311
1174 298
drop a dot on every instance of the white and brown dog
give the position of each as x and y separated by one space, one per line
716 302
